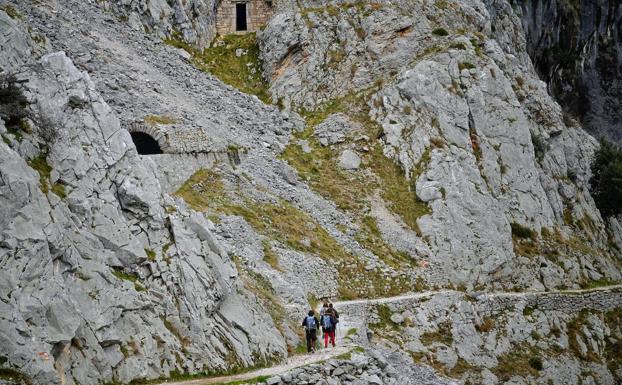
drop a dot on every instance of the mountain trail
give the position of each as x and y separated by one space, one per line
346 324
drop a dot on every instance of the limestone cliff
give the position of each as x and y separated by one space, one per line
453 98
576 48
104 277
409 146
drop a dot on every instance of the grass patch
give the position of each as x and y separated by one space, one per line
40 164
486 325
270 257
519 361
255 380
240 71
183 340
283 222
522 232
466 66
263 289
352 192
602 282
151 255
152 120
442 335
130 278
440 32
11 12
12 375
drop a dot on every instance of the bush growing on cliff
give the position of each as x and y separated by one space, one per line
606 182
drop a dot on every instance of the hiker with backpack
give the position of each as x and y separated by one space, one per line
335 313
324 308
311 324
329 322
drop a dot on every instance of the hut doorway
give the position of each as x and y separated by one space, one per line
240 17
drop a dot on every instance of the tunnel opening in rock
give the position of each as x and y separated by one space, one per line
145 144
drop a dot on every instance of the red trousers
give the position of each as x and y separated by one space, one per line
327 334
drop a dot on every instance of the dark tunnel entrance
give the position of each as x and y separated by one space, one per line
145 144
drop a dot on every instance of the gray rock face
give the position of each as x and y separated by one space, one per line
461 108
577 49
490 339
106 277
99 283
194 20
335 129
379 366
349 160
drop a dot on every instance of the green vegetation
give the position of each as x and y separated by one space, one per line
363 8
12 375
11 11
129 277
351 192
183 340
613 345
522 232
466 66
152 120
270 257
520 360
151 255
41 165
598 283
255 380
442 335
283 222
263 289
486 325
384 322
606 182
242 71
440 32
351 332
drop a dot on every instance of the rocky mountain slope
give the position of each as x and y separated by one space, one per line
409 146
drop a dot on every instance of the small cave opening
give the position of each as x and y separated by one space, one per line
145 144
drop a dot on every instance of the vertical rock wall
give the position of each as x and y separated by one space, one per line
576 47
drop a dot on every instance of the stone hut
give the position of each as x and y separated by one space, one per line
235 16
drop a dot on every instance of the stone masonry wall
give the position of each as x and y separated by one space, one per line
258 13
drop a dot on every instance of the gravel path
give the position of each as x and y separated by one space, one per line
291 363
346 324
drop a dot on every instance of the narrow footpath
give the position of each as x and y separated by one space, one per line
346 324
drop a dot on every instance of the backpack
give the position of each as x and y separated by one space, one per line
327 322
310 323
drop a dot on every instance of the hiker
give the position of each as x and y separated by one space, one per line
335 313
328 323
311 324
324 308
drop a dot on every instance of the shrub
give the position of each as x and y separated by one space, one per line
536 363
606 182
466 66
440 32
521 231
